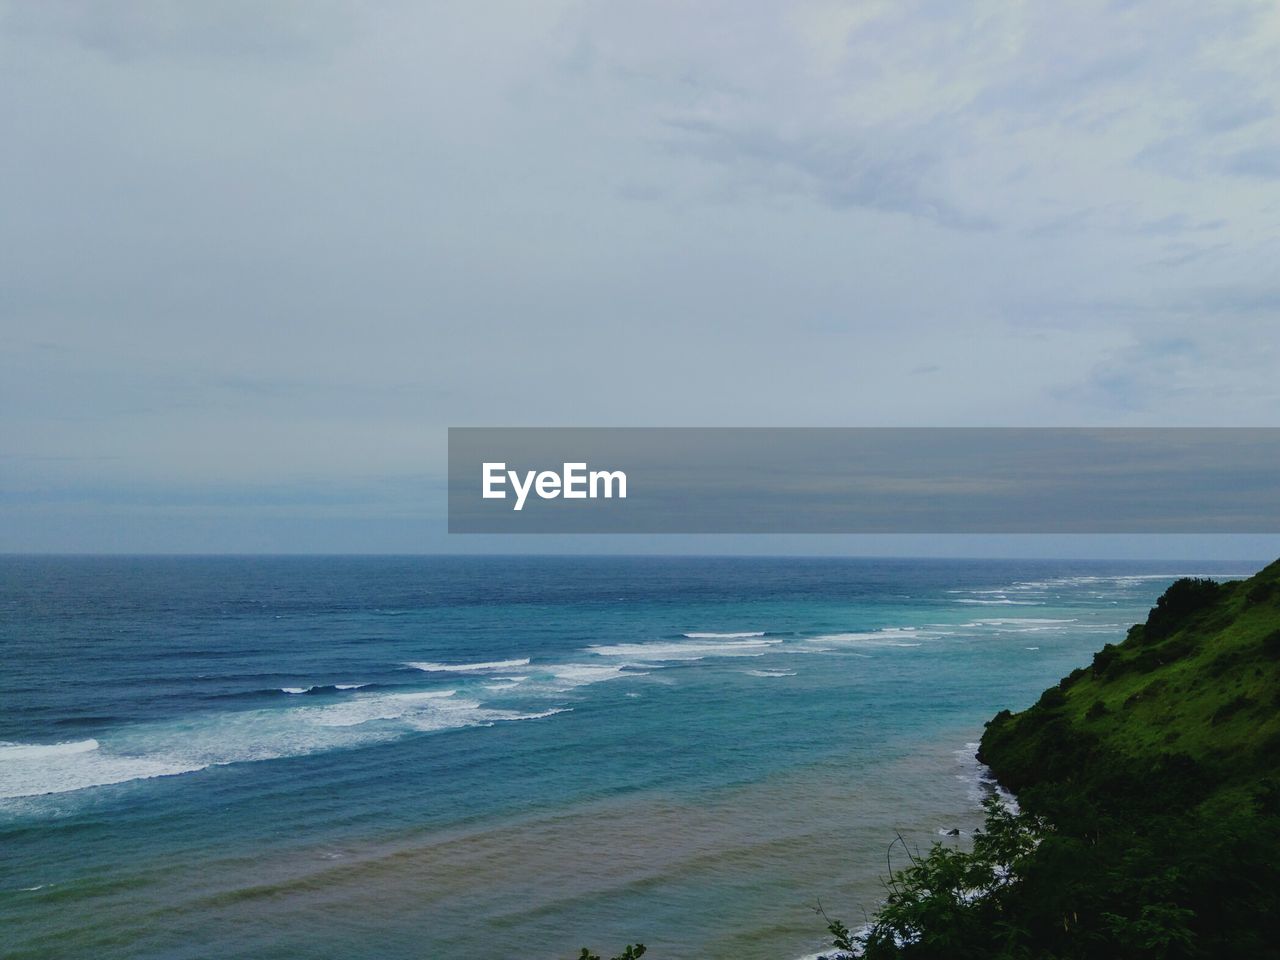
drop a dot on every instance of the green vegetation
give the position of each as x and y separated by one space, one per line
1150 789
945 901
631 953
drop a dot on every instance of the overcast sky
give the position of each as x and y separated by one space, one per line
256 257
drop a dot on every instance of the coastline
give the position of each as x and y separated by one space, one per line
1149 784
718 785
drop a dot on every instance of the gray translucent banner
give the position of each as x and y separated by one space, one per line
864 480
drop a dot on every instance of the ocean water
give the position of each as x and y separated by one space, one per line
478 757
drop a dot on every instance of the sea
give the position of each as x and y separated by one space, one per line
463 758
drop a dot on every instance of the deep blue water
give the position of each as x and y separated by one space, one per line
474 757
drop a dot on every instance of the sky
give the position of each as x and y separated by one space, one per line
256 258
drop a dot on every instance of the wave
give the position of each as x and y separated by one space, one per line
771 673
1124 579
540 715
197 742
10 751
505 683
721 636
1005 621
1007 625
1006 602
427 711
979 779
391 706
431 667
270 693
323 688
566 676
685 650
862 931
888 637
35 769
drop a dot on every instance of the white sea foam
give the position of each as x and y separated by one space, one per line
539 715
391 706
34 769
870 635
565 676
1006 602
979 779
771 673
721 636
888 637
322 686
1005 621
502 683
16 752
193 743
685 650
1120 579
832 951
430 667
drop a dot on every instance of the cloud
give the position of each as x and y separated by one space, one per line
1262 162
1175 224
971 116
872 172
289 243
177 30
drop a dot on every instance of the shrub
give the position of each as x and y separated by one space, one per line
1066 682
1104 658
1052 699
631 953
947 899
1183 598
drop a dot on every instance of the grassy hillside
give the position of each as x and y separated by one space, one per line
1197 683
1158 769
1149 784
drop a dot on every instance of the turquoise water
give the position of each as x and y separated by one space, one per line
478 757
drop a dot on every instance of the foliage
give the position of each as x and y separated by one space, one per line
1184 598
1157 769
946 899
631 953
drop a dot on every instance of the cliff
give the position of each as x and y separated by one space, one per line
1157 769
